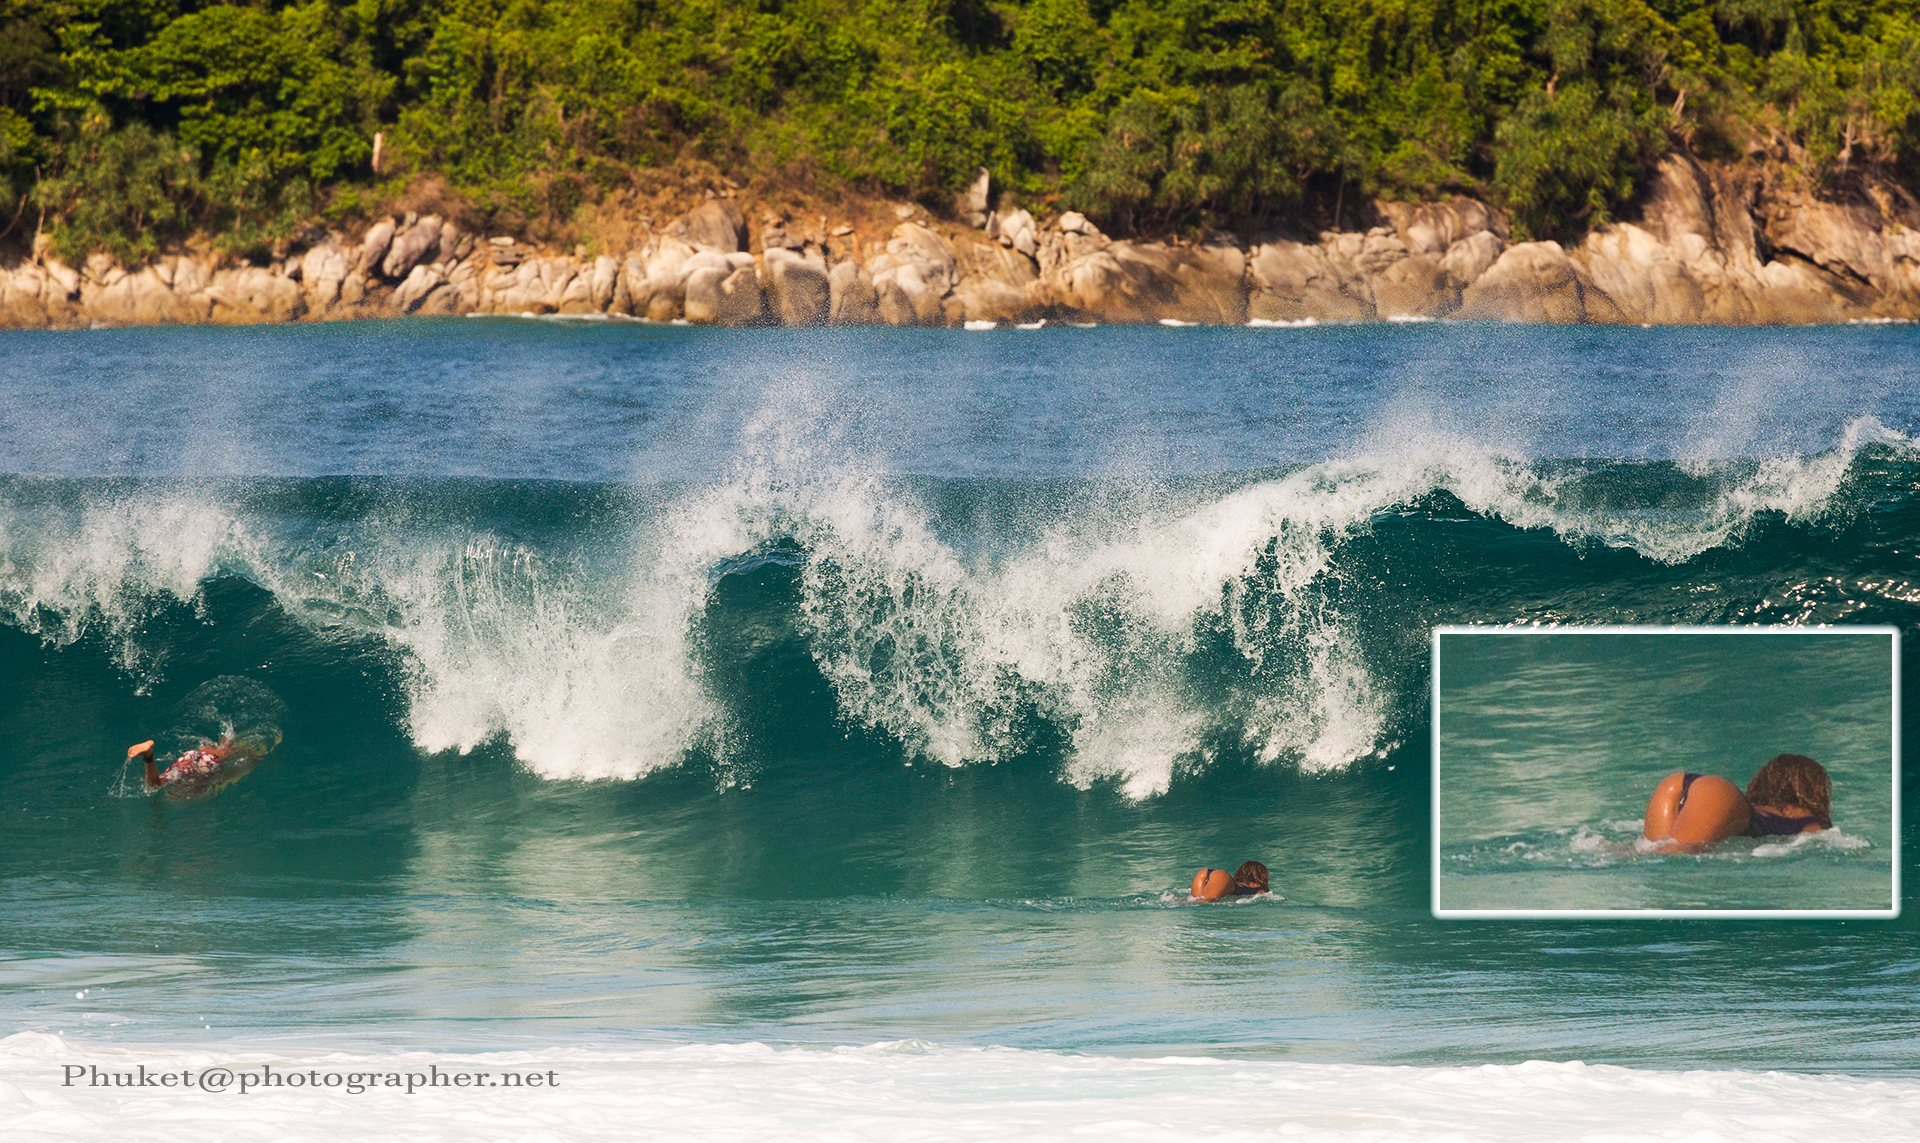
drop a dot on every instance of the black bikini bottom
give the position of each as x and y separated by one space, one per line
1765 824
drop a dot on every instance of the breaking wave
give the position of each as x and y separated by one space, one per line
1125 630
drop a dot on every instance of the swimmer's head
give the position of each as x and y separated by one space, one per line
1794 780
1252 874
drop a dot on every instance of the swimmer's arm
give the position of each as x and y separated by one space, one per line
144 752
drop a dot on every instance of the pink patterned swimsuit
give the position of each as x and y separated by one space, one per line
192 764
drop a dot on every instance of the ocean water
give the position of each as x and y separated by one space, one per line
670 702
1551 744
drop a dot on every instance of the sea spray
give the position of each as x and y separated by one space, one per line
1150 625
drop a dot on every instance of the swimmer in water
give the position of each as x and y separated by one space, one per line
1250 880
1791 794
199 771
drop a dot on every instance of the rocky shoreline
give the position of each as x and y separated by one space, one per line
1740 245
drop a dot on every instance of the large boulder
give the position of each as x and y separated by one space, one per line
1015 230
996 283
453 244
1211 283
422 282
913 276
716 224
603 282
1468 258
410 247
852 299
718 296
1057 249
630 291
323 273
892 301
1537 282
916 246
465 283
374 244
1396 276
187 276
1728 245
63 279
667 271
22 304
666 307
247 294
1644 276
535 286
906 297
1416 286
671 267
1860 256
576 297
139 298
1294 281
1149 281
1433 227
798 291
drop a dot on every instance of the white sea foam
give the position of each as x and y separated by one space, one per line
1623 840
63 572
1418 449
586 683
914 1090
1835 838
1092 618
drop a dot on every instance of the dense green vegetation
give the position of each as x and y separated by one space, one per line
127 123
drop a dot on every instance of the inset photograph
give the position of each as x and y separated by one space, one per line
1677 771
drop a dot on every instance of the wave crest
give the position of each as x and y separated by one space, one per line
1152 625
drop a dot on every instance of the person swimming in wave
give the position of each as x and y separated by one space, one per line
1250 880
200 770
1792 794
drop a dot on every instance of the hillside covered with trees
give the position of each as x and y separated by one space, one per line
129 124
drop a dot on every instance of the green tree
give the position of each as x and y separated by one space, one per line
1567 157
1146 113
121 190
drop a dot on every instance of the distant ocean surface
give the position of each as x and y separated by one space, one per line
652 693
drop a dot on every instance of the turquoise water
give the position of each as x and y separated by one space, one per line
655 685
1551 744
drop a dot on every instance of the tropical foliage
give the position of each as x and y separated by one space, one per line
127 123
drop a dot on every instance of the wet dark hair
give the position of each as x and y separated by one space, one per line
1251 873
1794 780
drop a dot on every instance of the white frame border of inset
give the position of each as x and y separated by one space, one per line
1893 634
